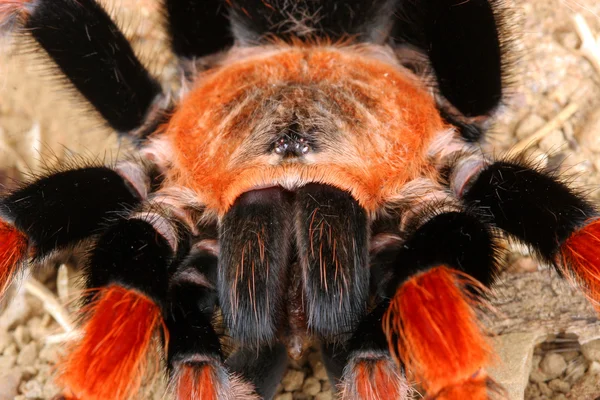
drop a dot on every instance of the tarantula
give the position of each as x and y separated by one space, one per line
318 178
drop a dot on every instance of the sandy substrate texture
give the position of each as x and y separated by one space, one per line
554 99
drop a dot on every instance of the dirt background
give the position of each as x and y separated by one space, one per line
554 98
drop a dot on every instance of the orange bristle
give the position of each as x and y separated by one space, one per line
376 381
472 389
13 245
197 382
431 326
112 358
581 253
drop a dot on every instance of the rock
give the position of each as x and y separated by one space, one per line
516 354
553 365
544 389
6 340
326 385
22 336
319 371
311 386
560 396
324 396
591 350
570 355
50 354
575 369
32 389
9 384
292 380
528 125
588 136
587 388
284 396
553 142
7 361
11 350
50 390
558 385
28 354
17 312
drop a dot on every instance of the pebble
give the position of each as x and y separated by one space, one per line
575 370
6 340
17 312
32 389
28 354
544 389
558 385
9 384
324 396
292 380
22 336
7 361
588 137
284 396
311 386
553 365
50 354
591 350
50 390
528 125
553 142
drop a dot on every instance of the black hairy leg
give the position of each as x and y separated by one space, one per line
430 324
536 208
128 281
95 57
195 356
59 210
463 42
332 241
198 27
254 255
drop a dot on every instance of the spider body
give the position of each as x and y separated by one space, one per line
315 180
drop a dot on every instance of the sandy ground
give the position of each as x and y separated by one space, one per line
555 94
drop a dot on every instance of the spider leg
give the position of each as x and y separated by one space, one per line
198 27
464 44
93 54
128 276
430 324
369 372
195 354
58 211
536 208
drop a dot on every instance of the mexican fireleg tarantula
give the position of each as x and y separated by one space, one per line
318 178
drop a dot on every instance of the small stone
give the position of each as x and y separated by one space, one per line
560 396
544 389
524 264
528 125
587 388
591 350
292 380
6 340
17 312
284 396
594 368
50 354
28 354
50 390
588 136
32 389
319 371
570 355
326 385
553 365
531 391
11 350
575 369
558 385
22 336
311 386
553 141
36 329
9 384
7 361
324 396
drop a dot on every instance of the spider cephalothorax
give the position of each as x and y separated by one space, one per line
316 179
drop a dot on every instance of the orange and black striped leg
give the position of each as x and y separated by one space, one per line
128 271
560 225
194 356
370 372
430 324
93 54
58 211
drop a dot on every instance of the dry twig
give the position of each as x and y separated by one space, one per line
51 304
590 45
